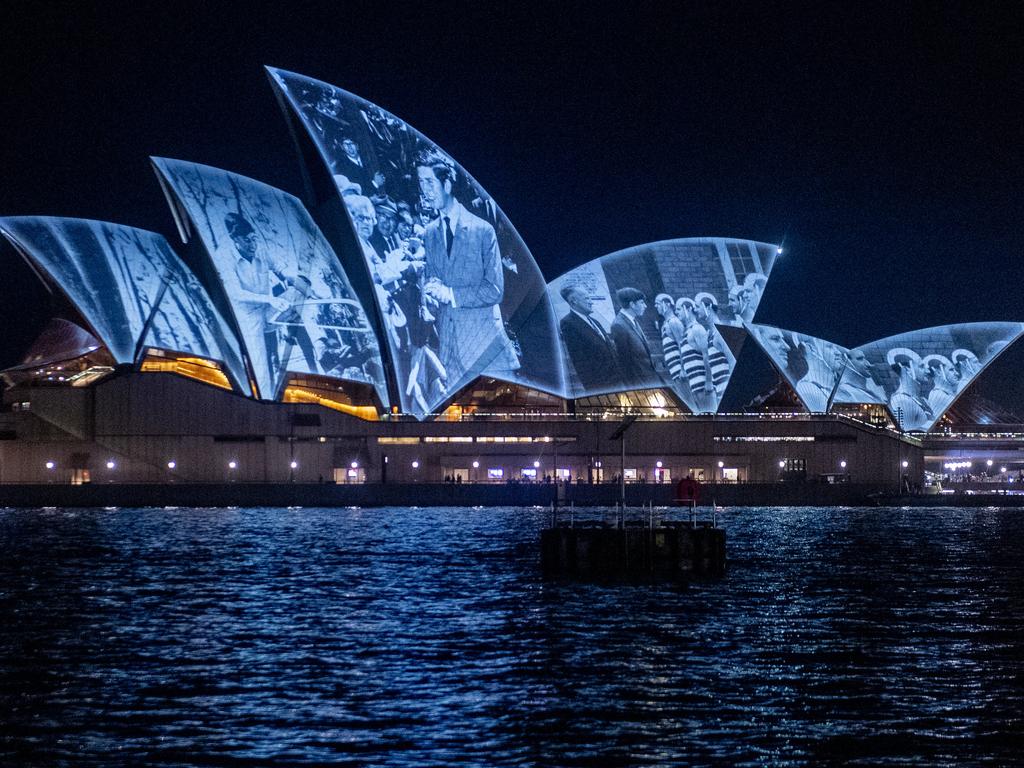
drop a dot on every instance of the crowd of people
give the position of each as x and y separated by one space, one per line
437 248
299 304
916 388
694 359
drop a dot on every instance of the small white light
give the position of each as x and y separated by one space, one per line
721 464
110 465
294 465
415 465
476 465
354 465
989 462
536 464
50 465
1002 469
232 464
782 465
842 464
657 464
905 463
171 464
779 251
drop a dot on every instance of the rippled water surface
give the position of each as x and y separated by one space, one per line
421 637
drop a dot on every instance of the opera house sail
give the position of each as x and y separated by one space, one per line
290 298
130 287
668 314
916 375
458 292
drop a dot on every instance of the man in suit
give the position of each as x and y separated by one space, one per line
463 279
590 347
487 209
350 163
385 238
630 341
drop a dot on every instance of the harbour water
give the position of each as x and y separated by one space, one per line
423 637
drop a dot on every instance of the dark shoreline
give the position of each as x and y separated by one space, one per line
470 494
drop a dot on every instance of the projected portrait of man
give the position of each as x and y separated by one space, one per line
463 284
858 385
589 345
945 381
254 271
634 352
741 304
911 410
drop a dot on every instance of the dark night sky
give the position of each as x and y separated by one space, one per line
883 143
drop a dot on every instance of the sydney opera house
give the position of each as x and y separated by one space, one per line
389 325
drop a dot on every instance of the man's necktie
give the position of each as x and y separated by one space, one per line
448 235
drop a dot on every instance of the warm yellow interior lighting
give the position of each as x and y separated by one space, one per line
196 368
301 395
452 413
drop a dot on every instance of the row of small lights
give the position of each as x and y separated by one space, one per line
536 465
476 464
954 465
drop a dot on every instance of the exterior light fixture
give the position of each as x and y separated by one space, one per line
782 465
842 464
536 465
232 464
721 464
779 251
476 465
50 465
294 465
658 464
111 465
989 462
354 465
904 463
171 464
415 465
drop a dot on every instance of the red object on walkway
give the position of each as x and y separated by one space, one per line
688 490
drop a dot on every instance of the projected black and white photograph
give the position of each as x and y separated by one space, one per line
658 315
128 282
295 309
922 372
813 367
458 291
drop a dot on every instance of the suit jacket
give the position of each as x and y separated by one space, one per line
359 174
634 353
593 354
471 333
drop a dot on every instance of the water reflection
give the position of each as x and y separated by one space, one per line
426 637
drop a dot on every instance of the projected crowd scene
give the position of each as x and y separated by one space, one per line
921 372
290 297
459 292
128 283
659 315
916 374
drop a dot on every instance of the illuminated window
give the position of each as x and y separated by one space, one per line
529 473
495 474
398 440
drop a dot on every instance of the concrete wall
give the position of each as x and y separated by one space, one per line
140 422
